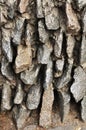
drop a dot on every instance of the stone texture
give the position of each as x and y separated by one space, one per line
30 76
6 97
59 67
17 31
83 108
81 3
84 22
3 15
23 5
72 20
43 34
22 117
40 13
64 103
44 52
6 44
33 97
78 88
24 58
58 37
19 94
46 109
7 70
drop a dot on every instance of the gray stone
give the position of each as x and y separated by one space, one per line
59 67
48 75
78 88
43 34
84 22
58 37
33 97
17 31
3 14
65 78
81 3
64 103
40 13
6 69
22 117
19 94
6 44
30 76
6 97
83 108
83 52
46 109
44 53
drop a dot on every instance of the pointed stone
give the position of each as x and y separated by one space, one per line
83 109
34 96
73 23
19 94
78 88
23 5
30 76
24 58
6 44
46 109
6 97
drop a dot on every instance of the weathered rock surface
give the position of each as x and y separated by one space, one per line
81 3
84 22
73 23
30 76
22 117
33 97
46 110
6 44
78 88
6 97
24 58
83 109
19 94
23 5
44 53
40 13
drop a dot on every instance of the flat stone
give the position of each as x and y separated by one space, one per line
64 103
83 52
83 109
58 37
17 31
19 94
40 13
7 70
44 53
43 34
25 53
6 44
78 88
73 25
22 117
33 97
6 97
30 76
46 109
70 45
59 67
23 5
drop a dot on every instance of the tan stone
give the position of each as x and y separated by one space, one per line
46 110
23 5
23 59
73 23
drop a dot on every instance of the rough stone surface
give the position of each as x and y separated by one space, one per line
81 3
33 98
84 22
40 13
24 58
73 24
6 44
46 110
19 94
44 52
43 34
83 109
23 5
78 88
30 76
6 97
22 117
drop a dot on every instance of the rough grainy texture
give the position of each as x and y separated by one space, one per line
43 63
